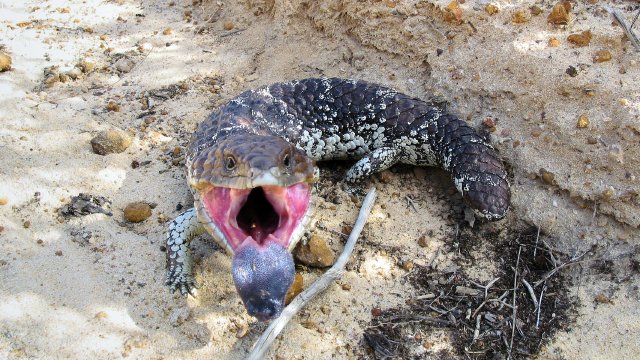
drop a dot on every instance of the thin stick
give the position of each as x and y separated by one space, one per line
531 293
627 29
515 288
270 334
540 306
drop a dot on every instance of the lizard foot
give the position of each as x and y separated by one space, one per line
183 281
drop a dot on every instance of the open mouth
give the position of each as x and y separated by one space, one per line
261 214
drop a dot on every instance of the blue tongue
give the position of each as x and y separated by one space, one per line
263 274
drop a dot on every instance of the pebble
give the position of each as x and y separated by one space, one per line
316 253
124 65
137 212
602 56
3 200
74 73
385 176
376 311
583 121
560 13
85 65
408 266
5 61
228 25
535 10
423 241
554 42
179 316
521 16
26 224
113 106
167 31
295 289
580 39
346 287
101 315
536 132
453 13
547 176
491 9
110 142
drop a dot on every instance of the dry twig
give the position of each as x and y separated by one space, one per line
627 29
262 345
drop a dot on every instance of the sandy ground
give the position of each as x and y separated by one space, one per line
92 286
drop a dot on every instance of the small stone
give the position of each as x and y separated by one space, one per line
547 176
607 194
167 31
408 266
386 176
74 73
580 39
347 229
295 289
5 61
315 253
376 311
26 224
86 66
346 287
113 106
228 25
592 140
536 132
124 65
309 324
602 56
521 16
3 200
110 142
535 10
554 42
58 253
560 13
491 9
453 13
137 212
583 121
100 315
179 316
603 299
423 241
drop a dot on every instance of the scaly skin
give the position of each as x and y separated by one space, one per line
271 136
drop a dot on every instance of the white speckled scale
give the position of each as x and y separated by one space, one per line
181 230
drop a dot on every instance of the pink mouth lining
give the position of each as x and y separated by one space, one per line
267 213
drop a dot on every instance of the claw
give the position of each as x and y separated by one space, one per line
182 281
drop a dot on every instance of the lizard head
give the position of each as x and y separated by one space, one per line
253 195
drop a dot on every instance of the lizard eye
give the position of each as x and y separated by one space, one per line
230 163
286 160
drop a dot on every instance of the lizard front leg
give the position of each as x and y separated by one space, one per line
182 229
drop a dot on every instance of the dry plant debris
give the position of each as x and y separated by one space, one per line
510 316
